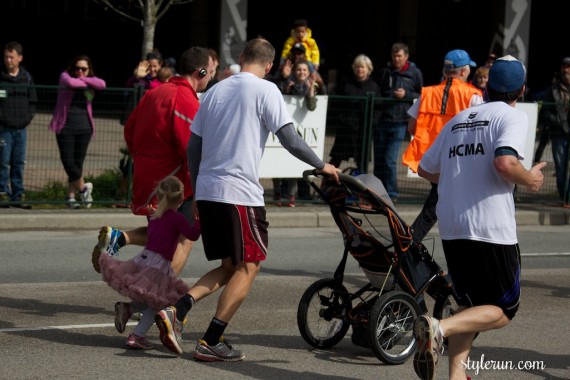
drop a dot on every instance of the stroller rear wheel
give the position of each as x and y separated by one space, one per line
390 330
322 315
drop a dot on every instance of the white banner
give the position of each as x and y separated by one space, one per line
531 110
277 162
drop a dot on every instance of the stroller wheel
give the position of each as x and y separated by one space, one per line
322 315
445 306
390 330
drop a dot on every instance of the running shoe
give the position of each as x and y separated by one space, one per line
108 243
122 316
430 346
221 352
109 240
170 329
135 341
86 195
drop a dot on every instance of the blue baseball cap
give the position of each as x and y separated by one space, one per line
457 58
506 75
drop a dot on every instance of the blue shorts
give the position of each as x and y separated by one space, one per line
235 231
485 273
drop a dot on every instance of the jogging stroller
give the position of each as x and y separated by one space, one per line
399 271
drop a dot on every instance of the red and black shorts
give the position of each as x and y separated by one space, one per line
235 231
485 273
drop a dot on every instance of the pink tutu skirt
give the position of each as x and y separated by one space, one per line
146 278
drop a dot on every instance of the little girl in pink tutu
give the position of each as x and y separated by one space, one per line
148 279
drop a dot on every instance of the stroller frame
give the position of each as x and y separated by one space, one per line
400 271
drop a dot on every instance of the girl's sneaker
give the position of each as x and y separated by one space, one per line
135 341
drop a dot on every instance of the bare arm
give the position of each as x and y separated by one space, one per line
511 170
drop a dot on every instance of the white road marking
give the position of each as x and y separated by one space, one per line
64 327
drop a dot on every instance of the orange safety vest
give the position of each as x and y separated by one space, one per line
438 104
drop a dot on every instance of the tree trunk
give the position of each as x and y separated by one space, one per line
149 26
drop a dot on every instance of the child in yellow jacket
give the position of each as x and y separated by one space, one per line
301 33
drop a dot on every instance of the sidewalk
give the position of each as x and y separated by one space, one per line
304 215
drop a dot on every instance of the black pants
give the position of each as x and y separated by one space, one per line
72 150
427 217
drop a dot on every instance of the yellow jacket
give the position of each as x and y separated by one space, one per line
434 112
311 49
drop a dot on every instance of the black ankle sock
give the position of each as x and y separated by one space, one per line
183 306
214 332
122 241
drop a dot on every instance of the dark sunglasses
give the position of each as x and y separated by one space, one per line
84 69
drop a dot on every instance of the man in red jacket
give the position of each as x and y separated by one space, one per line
157 133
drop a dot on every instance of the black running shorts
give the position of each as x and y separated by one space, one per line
485 273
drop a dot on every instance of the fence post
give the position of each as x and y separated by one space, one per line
566 195
138 92
367 133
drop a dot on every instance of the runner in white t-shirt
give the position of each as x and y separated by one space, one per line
224 152
476 162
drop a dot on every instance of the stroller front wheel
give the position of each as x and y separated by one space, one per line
390 330
322 315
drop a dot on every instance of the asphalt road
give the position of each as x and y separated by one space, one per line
56 316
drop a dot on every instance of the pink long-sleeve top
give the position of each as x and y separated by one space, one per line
68 86
163 232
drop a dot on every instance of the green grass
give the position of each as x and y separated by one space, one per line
106 191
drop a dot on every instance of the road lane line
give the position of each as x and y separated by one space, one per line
64 327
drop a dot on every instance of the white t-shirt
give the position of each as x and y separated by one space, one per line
475 202
234 120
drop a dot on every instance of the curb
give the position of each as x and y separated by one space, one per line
277 219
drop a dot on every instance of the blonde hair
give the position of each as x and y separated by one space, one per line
170 193
363 60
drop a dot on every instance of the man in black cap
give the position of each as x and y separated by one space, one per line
475 160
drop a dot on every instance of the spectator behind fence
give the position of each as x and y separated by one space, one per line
73 124
157 133
228 71
436 106
400 83
477 219
554 116
165 73
301 34
216 76
296 54
18 100
348 138
144 78
300 83
480 81
543 131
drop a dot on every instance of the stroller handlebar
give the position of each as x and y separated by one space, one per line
310 174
